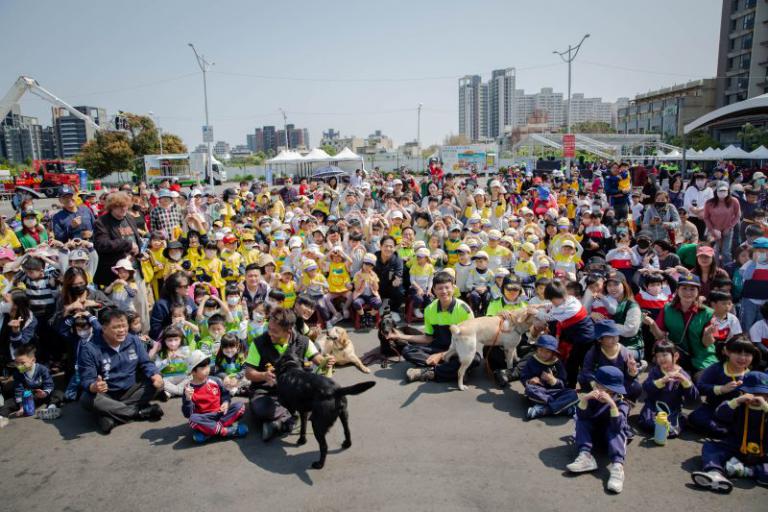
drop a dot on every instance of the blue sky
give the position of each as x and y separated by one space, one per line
354 66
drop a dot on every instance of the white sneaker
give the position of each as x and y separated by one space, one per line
49 413
616 480
418 314
338 317
584 463
712 480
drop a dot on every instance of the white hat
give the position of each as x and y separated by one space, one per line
463 248
397 214
369 258
422 253
495 183
494 234
397 182
479 192
196 193
294 241
196 358
480 254
501 272
569 243
124 264
758 176
309 265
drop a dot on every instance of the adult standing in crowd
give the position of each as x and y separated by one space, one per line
72 221
721 215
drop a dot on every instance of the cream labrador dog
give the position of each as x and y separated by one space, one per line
504 330
337 344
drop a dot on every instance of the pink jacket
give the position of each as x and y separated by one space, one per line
721 217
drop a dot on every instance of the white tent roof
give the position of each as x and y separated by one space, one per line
316 155
346 154
760 153
672 155
285 157
734 153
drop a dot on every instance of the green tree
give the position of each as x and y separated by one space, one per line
592 127
752 137
429 151
698 140
456 140
329 149
172 144
108 152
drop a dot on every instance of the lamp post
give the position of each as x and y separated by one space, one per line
568 57
159 130
204 67
285 129
418 135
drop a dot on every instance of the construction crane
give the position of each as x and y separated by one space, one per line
26 84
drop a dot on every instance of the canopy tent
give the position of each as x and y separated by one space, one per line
316 155
734 153
286 157
760 153
757 106
345 155
672 155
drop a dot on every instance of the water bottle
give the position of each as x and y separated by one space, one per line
28 403
661 429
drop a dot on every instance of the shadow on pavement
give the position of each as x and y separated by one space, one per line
169 435
74 422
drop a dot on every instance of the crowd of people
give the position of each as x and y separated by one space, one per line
646 287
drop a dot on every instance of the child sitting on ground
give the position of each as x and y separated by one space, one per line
229 364
543 376
31 376
609 352
742 453
206 403
123 289
171 361
601 416
667 384
726 324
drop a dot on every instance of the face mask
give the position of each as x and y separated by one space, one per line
622 230
230 352
174 255
659 205
759 183
216 337
700 183
258 318
83 333
78 289
208 314
232 301
266 230
30 223
22 368
722 194
761 257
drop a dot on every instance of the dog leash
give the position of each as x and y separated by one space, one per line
494 343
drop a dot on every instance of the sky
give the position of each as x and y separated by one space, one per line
349 65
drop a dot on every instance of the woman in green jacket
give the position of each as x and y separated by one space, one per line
32 233
628 316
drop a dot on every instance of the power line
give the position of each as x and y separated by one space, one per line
134 87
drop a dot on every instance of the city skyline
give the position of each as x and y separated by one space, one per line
369 74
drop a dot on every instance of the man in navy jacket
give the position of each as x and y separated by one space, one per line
117 376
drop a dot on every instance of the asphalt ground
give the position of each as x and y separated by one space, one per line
420 447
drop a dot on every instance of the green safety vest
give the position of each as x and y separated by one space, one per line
700 356
620 316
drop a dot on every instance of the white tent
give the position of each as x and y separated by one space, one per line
316 155
345 155
286 157
672 155
760 153
732 152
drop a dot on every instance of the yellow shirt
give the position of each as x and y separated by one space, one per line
289 289
338 277
451 249
396 232
213 268
9 239
279 255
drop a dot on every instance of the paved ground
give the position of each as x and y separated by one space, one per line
415 447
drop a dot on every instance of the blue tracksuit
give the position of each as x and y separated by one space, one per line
596 358
746 444
40 379
673 394
557 397
119 368
595 424
703 418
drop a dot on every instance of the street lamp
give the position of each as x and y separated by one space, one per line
571 53
418 135
159 130
207 132
285 129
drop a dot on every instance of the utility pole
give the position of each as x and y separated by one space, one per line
418 135
159 130
285 129
571 53
207 131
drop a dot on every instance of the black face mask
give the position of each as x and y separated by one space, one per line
659 206
78 289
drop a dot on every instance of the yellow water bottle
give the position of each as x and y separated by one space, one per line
661 432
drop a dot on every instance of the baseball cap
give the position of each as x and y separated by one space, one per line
369 258
164 193
66 191
479 255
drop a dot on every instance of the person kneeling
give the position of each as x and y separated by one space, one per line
206 403
602 416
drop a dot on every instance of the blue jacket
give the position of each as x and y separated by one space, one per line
41 379
119 368
161 316
25 335
62 223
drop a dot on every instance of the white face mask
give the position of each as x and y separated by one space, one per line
230 352
722 194
174 255
701 183
258 318
83 333
232 301
761 257
30 223
266 230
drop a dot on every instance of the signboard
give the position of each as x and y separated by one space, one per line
208 133
464 159
569 145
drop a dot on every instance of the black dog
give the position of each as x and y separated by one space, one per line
304 392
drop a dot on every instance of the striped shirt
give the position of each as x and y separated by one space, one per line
42 293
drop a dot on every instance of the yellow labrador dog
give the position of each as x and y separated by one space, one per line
504 330
337 344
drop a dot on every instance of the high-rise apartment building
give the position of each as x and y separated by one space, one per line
473 107
21 137
72 133
742 62
584 110
501 102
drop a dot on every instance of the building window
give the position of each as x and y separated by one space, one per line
748 21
